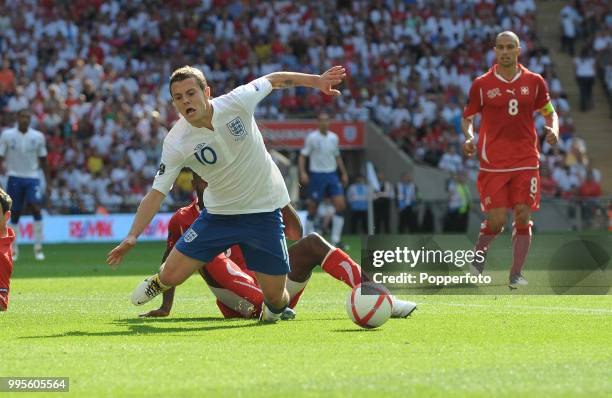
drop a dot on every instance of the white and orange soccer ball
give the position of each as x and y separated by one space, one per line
370 308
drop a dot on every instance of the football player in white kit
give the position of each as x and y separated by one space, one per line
321 146
219 140
25 152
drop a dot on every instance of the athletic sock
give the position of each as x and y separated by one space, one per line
295 290
485 237
336 230
521 241
38 235
271 314
339 265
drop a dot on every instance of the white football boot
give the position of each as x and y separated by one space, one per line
147 290
402 308
517 280
38 253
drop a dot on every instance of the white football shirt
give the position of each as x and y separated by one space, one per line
241 176
322 150
21 152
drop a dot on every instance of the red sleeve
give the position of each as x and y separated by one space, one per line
475 100
174 230
542 96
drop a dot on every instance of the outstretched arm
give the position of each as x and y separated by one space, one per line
323 82
148 207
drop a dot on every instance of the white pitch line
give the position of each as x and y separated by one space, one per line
526 307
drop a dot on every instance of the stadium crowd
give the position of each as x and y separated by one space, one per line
94 74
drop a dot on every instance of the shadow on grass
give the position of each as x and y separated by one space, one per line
143 320
360 330
143 327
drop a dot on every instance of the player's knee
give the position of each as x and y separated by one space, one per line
170 277
496 222
522 214
312 240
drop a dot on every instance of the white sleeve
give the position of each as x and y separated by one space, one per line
169 168
42 147
250 94
307 149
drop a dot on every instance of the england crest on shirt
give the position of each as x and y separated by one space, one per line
236 129
190 235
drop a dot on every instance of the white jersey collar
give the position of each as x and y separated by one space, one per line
515 78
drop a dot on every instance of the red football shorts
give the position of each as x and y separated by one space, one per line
509 188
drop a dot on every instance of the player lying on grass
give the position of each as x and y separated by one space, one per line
235 287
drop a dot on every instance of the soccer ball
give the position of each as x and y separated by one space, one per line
370 308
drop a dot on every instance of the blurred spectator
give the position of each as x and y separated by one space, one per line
451 161
585 75
382 205
407 196
459 199
570 21
589 192
7 77
548 186
590 188
566 181
357 197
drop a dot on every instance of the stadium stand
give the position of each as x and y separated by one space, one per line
95 75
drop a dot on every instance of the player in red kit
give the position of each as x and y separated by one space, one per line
235 287
7 236
507 97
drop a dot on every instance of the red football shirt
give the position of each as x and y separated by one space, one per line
507 137
183 218
6 266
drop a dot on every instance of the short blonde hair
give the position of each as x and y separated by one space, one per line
186 72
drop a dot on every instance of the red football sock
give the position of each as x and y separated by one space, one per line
229 276
339 265
485 237
521 240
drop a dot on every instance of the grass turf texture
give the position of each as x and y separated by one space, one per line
71 316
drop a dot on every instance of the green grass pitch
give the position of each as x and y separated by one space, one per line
71 316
